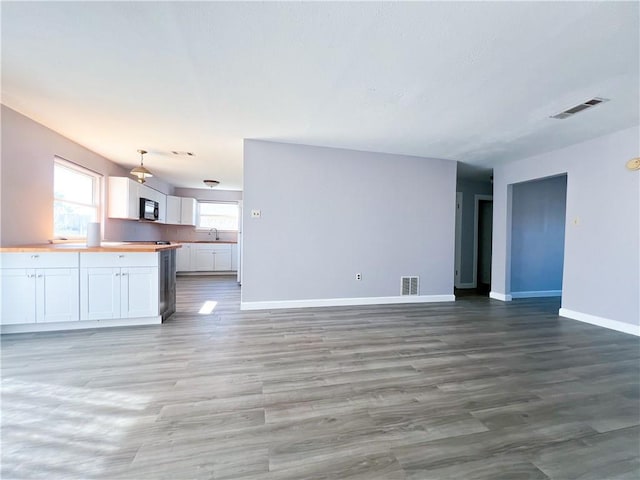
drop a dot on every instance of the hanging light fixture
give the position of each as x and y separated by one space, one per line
211 183
141 172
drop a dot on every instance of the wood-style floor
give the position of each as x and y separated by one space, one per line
475 389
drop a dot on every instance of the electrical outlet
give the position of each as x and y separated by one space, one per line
256 213
358 276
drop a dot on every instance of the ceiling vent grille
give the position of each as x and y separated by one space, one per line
579 108
409 285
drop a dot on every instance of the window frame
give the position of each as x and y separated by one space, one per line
219 202
96 201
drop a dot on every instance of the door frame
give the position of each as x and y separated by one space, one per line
477 199
458 240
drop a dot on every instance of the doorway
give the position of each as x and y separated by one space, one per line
482 244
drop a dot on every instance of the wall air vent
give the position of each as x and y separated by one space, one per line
579 108
409 285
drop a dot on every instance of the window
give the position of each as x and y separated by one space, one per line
223 216
76 199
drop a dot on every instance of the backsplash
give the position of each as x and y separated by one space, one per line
177 233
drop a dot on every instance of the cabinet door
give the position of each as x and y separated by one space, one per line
174 210
204 261
57 295
188 211
234 257
18 296
222 262
99 293
183 258
139 292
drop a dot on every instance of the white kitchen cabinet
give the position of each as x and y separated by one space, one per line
183 258
181 210
174 210
124 198
128 289
125 195
210 257
188 211
234 257
39 295
18 296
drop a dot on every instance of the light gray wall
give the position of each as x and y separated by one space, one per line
601 275
26 197
537 234
469 189
328 214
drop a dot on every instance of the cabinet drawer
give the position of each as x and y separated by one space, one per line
39 260
114 259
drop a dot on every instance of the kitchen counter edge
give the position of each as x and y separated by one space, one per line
61 247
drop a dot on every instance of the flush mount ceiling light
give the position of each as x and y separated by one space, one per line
141 172
634 164
211 183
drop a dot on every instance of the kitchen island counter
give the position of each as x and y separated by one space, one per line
142 247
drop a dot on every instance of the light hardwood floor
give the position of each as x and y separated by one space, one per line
475 389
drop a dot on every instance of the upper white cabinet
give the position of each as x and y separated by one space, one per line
181 210
125 195
189 211
39 288
124 198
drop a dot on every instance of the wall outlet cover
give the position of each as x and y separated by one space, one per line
256 213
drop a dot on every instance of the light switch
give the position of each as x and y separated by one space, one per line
256 214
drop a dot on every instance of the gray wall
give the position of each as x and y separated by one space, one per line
537 234
469 190
328 214
601 275
28 151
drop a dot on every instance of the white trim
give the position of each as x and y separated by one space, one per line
458 239
601 321
504 297
340 302
477 199
536 294
79 325
462 286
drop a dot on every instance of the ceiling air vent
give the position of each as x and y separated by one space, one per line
579 108
183 154
409 285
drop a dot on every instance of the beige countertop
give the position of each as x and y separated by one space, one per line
207 241
104 247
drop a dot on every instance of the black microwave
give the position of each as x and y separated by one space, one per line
148 209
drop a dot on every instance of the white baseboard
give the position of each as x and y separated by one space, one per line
79 325
601 321
466 285
536 294
500 296
342 302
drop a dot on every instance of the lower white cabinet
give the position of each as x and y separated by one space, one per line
205 257
118 285
39 295
183 258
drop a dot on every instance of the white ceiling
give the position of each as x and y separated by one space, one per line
469 81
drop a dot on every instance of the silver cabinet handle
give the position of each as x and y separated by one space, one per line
117 274
30 275
39 275
124 274
35 256
120 256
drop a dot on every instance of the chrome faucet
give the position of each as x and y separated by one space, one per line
211 231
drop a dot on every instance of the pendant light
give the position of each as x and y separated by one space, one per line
211 183
141 172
